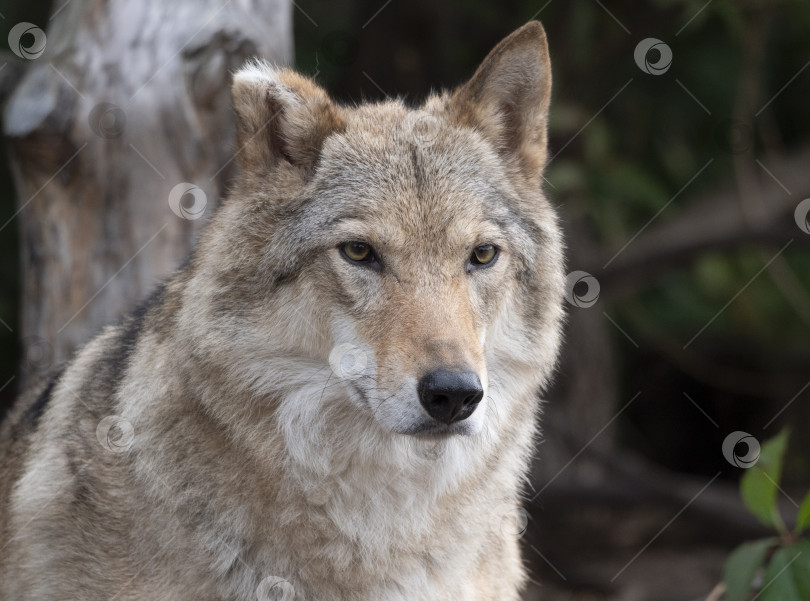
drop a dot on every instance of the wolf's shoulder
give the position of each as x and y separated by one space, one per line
94 369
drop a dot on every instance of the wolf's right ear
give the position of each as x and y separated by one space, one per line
280 116
508 97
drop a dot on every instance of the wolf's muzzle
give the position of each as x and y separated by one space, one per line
450 396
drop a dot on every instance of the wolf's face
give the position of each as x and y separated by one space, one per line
423 261
426 242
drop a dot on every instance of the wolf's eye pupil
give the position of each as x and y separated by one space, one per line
357 251
484 254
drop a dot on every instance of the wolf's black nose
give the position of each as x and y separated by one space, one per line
450 396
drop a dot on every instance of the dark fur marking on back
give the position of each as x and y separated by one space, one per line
115 364
35 411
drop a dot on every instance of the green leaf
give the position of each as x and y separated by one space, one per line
801 569
803 520
760 484
759 495
772 455
742 566
787 577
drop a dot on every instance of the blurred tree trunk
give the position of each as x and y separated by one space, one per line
128 101
582 401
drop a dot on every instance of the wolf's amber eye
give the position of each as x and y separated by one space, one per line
359 252
483 255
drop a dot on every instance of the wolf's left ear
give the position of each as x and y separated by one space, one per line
508 97
282 117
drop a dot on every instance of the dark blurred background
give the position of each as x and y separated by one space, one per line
678 193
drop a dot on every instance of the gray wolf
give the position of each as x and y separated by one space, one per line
335 398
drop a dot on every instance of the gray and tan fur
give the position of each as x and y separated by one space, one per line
241 454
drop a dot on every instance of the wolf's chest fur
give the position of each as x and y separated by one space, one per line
350 512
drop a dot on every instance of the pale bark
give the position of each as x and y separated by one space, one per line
128 100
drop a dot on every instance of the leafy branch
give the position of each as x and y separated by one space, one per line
777 567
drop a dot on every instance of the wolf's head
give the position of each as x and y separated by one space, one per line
407 254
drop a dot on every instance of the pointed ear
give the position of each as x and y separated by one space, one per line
508 98
281 116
